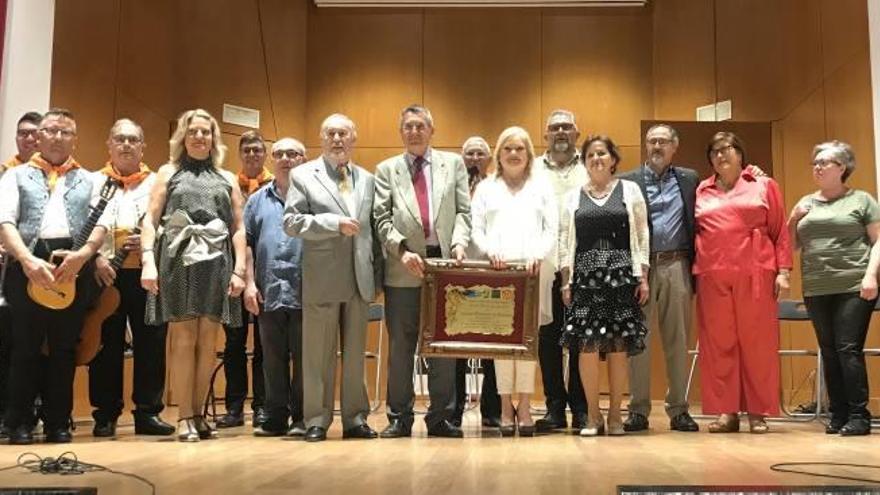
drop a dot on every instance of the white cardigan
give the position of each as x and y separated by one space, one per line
639 244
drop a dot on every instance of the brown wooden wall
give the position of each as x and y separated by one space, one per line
802 65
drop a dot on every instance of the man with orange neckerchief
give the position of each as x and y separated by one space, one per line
43 206
126 146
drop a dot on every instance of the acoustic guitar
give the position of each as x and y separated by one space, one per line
90 343
58 295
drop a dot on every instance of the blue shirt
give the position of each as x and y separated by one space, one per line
277 256
666 207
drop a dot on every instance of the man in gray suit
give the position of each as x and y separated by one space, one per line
422 209
670 192
329 205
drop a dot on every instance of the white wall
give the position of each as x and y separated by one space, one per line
27 65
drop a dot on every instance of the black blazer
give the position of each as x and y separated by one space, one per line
688 180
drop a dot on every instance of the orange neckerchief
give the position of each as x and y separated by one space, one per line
129 181
52 172
250 186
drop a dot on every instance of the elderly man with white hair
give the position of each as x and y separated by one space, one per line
329 206
273 293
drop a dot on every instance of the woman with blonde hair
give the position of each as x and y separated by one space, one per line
515 220
193 264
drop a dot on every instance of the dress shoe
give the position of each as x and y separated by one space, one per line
683 422
315 434
757 425
23 435
297 429
835 425
186 430
59 435
445 429
230 421
360 431
635 422
578 421
551 421
206 432
4 431
259 417
491 422
104 429
265 431
726 423
151 424
396 429
856 427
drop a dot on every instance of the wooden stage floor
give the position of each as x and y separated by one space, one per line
482 463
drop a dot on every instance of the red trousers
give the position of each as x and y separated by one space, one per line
739 342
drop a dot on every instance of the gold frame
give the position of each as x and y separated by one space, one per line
525 349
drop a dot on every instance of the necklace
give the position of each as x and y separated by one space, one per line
597 193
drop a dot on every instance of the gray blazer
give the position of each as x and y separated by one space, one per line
396 211
312 213
688 180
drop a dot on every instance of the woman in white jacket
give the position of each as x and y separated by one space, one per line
515 219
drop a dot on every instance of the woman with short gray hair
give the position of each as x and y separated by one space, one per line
836 229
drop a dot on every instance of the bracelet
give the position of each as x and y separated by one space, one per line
238 275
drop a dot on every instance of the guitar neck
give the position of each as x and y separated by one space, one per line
86 230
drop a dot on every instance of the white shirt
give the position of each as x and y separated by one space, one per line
126 208
564 180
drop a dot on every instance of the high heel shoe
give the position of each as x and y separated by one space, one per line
204 429
615 428
186 430
726 423
525 430
508 430
594 428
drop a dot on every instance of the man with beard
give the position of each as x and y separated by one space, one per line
477 157
670 192
562 164
253 176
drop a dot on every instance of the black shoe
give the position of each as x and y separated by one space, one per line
230 421
491 422
23 435
297 429
835 425
551 421
578 422
259 417
316 434
151 424
59 435
682 422
456 421
445 429
104 429
4 431
636 422
360 431
396 429
206 432
856 427
265 431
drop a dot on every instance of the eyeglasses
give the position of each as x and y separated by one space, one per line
196 132
253 150
562 127
291 154
722 150
659 142
23 133
56 131
126 138
414 127
824 163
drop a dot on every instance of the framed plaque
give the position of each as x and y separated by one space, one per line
474 311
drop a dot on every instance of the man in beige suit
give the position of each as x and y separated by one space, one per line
422 209
329 206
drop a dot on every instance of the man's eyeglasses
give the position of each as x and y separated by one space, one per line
23 133
659 142
291 154
123 138
253 150
56 131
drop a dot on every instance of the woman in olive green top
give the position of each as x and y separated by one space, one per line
836 229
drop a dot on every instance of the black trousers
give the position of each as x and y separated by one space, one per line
841 324
148 342
32 325
5 355
281 337
550 358
235 366
490 401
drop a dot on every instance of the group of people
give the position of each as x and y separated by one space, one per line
304 247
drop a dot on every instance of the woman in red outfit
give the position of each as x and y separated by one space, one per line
743 262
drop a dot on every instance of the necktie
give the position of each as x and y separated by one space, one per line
421 187
342 170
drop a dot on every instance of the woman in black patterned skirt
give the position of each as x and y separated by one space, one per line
605 269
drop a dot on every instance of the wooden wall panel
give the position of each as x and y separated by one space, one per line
608 88
285 25
849 116
684 57
844 31
366 64
479 80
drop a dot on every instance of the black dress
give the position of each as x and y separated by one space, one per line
605 315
